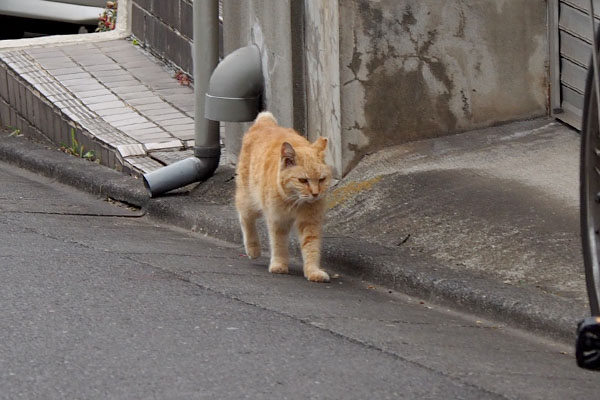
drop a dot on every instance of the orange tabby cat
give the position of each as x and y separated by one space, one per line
282 176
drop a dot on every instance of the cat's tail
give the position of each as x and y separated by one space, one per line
265 118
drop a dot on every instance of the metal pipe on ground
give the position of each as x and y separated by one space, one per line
207 148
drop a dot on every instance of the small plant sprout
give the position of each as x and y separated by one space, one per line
77 149
15 132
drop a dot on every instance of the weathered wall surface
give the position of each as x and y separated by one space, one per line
375 73
300 60
166 28
322 77
265 23
415 69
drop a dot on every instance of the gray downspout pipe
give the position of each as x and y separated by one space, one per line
207 149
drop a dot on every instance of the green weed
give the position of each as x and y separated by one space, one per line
77 149
14 131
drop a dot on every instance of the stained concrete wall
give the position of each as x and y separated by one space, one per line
415 69
371 74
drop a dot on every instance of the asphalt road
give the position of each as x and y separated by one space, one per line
99 302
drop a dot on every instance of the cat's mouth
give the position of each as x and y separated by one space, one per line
303 199
310 199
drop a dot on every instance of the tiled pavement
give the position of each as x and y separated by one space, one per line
118 100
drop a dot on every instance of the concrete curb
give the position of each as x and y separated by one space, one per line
542 313
73 171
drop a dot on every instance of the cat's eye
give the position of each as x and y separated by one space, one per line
322 180
303 180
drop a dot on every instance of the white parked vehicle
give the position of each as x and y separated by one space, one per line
67 16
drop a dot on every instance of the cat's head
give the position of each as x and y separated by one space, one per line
304 176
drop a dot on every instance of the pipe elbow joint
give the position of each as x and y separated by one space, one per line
236 87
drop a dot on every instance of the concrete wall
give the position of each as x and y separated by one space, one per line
267 24
165 27
370 74
322 77
415 69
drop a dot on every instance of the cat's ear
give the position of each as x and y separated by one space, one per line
320 144
288 155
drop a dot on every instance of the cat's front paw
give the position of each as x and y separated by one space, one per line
277 268
317 275
253 252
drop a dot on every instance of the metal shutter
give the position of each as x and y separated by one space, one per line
570 47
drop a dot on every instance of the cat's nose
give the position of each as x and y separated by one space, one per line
315 194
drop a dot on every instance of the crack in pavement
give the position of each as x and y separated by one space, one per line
139 215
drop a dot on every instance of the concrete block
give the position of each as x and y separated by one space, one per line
137 95
64 136
17 104
12 121
84 140
163 35
138 23
57 127
88 101
171 144
3 83
178 47
37 106
41 119
107 69
116 109
143 164
167 11
48 127
29 111
93 93
4 113
22 99
25 127
67 78
127 150
111 159
118 165
150 33
102 154
137 122
66 71
12 89
187 19
144 4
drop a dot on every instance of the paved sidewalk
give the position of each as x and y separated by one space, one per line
118 100
486 221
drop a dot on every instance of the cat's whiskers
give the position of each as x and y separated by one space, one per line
295 200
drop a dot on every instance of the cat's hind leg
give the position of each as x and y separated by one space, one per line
248 217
